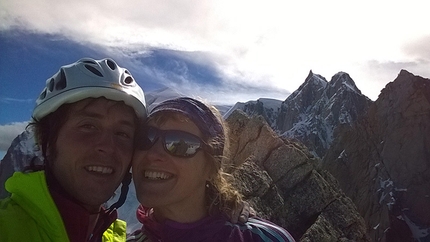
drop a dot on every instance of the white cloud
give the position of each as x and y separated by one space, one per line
9 132
11 100
254 40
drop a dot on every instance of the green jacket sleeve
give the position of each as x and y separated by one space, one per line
116 232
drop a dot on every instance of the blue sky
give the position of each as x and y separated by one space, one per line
223 51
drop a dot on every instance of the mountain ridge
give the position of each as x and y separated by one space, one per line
312 112
382 162
355 139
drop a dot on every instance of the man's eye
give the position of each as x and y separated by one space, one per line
124 135
88 126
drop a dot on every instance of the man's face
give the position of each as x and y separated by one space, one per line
94 149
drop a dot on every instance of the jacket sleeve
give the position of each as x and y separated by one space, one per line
30 214
116 232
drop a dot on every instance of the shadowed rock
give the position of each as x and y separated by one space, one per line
283 182
383 162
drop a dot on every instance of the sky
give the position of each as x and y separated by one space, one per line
224 51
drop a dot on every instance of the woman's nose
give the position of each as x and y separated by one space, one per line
156 152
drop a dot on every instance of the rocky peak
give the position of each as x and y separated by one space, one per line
313 111
266 107
341 81
283 182
383 161
308 92
398 93
19 156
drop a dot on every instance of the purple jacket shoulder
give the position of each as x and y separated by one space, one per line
255 229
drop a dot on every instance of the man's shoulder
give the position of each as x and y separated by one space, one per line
9 209
117 231
29 212
16 223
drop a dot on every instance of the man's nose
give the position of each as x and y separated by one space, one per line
106 142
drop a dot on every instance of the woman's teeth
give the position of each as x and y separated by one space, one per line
156 175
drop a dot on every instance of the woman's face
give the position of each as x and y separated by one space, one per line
173 186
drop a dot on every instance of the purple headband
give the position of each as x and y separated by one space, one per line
198 113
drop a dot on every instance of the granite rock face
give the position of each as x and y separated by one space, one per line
383 162
283 182
312 112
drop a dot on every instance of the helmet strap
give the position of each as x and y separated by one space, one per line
124 190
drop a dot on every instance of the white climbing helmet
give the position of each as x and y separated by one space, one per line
89 78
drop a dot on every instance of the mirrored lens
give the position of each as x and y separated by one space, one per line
180 143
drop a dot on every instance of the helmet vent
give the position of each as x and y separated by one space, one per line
43 94
51 85
89 78
89 62
62 82
126 71
128 80
111 64
94 70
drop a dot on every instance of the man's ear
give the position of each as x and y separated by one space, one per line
49 153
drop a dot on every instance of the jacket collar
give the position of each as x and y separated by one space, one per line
76 218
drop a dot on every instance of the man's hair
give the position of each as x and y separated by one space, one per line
46 130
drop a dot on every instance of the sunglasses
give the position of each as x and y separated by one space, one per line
175 142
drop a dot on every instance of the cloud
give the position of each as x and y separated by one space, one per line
275 41
197 74
232 93
419 48
9 132
8 100
389 66
109 22
419 51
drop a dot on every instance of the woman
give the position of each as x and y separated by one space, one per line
180 183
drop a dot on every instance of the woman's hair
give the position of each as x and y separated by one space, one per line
221 196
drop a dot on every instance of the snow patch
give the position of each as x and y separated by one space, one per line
342 155
418 232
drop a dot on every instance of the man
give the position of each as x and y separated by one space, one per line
84 122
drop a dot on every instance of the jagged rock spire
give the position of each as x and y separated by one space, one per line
382 162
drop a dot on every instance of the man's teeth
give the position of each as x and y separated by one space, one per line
100 169
156 175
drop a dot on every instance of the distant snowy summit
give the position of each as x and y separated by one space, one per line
312 112
266 107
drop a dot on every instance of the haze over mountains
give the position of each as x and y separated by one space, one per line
377 151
